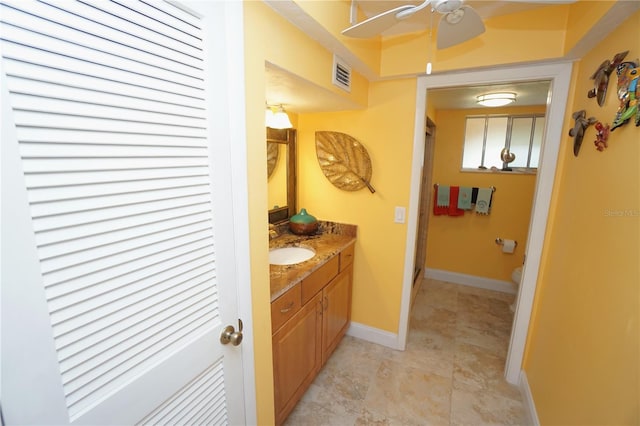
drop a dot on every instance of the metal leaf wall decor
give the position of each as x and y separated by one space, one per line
344 161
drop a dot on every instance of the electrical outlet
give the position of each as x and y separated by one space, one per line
399 215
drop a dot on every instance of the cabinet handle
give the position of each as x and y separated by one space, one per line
287 308
319 308
326 303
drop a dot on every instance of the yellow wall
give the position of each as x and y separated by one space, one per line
582 357
431 110
507 40
276 41
583 15
258 228
270 38
466 244
385 128
386 131
334 16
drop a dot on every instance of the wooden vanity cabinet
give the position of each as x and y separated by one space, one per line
304 342
285 307
336 304
297 356
319 278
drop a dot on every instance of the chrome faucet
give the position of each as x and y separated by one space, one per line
272 231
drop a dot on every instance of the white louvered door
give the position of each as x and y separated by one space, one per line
117 215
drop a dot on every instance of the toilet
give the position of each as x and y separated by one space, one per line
516 278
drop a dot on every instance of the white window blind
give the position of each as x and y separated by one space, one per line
110 118
487 135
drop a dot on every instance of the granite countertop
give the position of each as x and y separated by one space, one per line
330 239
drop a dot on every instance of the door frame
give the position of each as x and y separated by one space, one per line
559 74
423 208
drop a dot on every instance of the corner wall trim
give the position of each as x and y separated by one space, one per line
374 335
527 399
470 280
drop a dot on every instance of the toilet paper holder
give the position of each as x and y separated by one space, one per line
500 241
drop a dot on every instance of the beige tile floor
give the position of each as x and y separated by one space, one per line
450 374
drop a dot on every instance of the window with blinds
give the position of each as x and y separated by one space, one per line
487 135
110 118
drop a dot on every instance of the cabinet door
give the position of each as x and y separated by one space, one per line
297 356
337 311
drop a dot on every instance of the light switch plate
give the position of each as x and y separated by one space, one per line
399 215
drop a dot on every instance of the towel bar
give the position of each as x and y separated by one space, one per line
493 188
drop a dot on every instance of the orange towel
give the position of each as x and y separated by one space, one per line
453 206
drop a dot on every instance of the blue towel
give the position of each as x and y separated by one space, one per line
464 198
443 196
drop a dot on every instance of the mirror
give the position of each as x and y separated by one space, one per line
281 174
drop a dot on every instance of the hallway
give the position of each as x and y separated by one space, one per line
450 374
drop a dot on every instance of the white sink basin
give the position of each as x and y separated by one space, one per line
290 255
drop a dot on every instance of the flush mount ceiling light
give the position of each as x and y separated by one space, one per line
496 99
276 117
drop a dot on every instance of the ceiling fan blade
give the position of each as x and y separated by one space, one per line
466 28
544 1
376 24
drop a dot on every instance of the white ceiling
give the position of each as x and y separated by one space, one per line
299 95
527 93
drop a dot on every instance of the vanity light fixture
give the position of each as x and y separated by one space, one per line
496 99
276 117
268 116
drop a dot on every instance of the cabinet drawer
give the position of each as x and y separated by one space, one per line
346 257
318 279
284 307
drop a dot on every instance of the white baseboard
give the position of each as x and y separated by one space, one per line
471 280
527 399
373 335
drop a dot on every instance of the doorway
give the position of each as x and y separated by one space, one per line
559 74
423 211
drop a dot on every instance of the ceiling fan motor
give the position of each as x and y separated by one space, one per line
447 6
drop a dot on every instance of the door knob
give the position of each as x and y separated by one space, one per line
230 335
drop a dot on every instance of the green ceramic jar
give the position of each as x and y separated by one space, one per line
303 223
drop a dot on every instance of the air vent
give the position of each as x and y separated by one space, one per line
341 74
